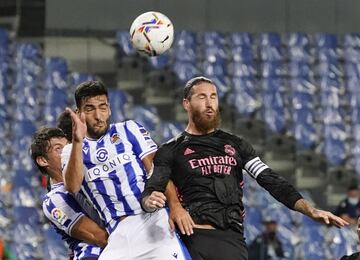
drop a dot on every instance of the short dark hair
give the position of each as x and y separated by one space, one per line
87 89
41 143
193 82
64 122
353 187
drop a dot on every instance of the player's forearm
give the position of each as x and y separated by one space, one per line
74 174
304 207
87 230
171 195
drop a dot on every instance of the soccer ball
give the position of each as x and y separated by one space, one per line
152 33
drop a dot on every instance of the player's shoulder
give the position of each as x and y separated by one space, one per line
228 135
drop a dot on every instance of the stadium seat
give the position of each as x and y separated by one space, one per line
312 245
217 68
300 70
241 39
214 53
335 143
273 69
242 69
160 62
147 117
352 54
352 69
325 40
123 40
270 47
54 247
352 40
253 223
76 78
120 103
298 39
244 96
169 130
185 70
213 39
331 70
305 127
185 39
241 53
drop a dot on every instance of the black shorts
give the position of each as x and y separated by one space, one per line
216 244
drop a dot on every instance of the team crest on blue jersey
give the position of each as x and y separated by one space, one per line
115 138
102 154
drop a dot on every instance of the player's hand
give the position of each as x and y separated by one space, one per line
182 218
156 200
328 218
78 125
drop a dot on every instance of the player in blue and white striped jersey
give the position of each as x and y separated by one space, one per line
84 237
109 163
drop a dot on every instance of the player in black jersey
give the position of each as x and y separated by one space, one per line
206 165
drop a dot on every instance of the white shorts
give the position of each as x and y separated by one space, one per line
145 236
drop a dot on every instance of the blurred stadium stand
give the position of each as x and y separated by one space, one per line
294 96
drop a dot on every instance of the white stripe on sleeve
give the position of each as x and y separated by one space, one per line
255 166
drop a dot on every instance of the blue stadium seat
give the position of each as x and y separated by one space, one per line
273 69
325 40
147 117
214 53
253 223
184 54
352 69
159 62
352 40
298 39
241 39
185 38
124 42
244 95
270 47
305 127
185 70
300 70
76 78
274 112
241 69
312 245
270 39
54 247
241 53
169 130
352 54
331 70
213 39
120 103
214 68
335 143
342 242
351 84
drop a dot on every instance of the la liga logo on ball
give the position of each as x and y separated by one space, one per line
152 33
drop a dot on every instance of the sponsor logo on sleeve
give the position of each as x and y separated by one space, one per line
59 216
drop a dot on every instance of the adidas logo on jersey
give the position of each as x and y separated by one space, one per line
188 151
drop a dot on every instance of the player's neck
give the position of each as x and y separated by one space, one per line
56 177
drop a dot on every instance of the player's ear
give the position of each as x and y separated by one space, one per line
186 104
41 160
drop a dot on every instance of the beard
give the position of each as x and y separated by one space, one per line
205 123
96 134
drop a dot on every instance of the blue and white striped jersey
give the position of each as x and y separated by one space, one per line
114 174
63 211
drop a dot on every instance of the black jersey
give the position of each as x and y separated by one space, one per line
208 173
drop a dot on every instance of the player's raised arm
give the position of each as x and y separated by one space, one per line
74 173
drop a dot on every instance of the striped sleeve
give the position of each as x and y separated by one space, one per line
140 139
62 210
